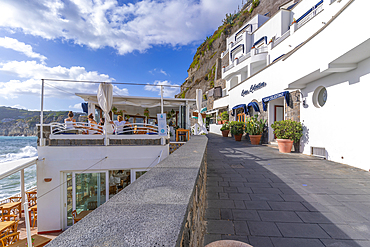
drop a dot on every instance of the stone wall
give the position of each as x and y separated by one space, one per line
293 111
164 207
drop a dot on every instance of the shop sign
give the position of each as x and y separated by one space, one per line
162 125
253 88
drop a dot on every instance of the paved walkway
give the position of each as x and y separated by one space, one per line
262 197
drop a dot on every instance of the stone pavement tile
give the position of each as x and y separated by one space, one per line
220 227
315 217
214 189
241 228
279 216
315 206
293 242
259 180
362 228
223 183
301 230
260 241
213 213
212 195
352 198
287 206
266 197
244 214
223 195
209 238
236 184
237 179
258 185
239 204
345 243
325 200
243 239
220 204
292 198
226 214
239 196
212 183
359 207
213 179
268 229
230 189
244 190
338 231
231 175
288 191
347 214
257 205
280 185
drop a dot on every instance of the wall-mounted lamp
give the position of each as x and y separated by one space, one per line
303 100
47 180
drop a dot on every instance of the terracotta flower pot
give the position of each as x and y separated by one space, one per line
219 122
285 145
238 138
255 139
225 133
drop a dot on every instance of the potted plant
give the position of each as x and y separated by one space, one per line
146 112
254 128
225 117
225 130
287 132
219 121
237 129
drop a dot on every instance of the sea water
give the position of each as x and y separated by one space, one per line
14 148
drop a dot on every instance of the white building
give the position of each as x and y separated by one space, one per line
82 171
315 56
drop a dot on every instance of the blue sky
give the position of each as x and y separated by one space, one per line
151 42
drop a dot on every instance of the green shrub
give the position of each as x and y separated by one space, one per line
225 116
255 126
288 129
237 128
225 126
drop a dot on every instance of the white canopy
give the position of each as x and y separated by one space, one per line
10 167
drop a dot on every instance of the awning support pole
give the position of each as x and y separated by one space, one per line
42 115
161 99
23 194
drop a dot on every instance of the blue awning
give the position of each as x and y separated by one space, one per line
239 106
85 108
255 106
275 96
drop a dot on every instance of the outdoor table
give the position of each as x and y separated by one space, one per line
187 133
6 224
7 207
38 242
82 214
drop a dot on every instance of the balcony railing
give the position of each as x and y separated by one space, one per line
224 53
84 129
261 50
244 57
310 14
281 39
229 67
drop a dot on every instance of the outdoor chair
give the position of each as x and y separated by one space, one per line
74 215
9 239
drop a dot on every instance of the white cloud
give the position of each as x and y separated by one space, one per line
14 44
161 71
18 106
32 72
125 27
168 92
76 106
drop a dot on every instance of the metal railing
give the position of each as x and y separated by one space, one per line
229 67
261 50
82 128
309 15
281 39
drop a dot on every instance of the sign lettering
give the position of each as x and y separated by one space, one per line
253 88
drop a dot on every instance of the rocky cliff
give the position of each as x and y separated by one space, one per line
205 70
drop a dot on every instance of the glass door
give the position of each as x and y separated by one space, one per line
85 191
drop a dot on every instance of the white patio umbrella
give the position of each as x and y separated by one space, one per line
105 100
202 126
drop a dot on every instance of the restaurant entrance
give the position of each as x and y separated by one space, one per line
84 191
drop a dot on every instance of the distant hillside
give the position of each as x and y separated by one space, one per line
18 122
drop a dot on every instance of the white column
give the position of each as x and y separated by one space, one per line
23 194
187 119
